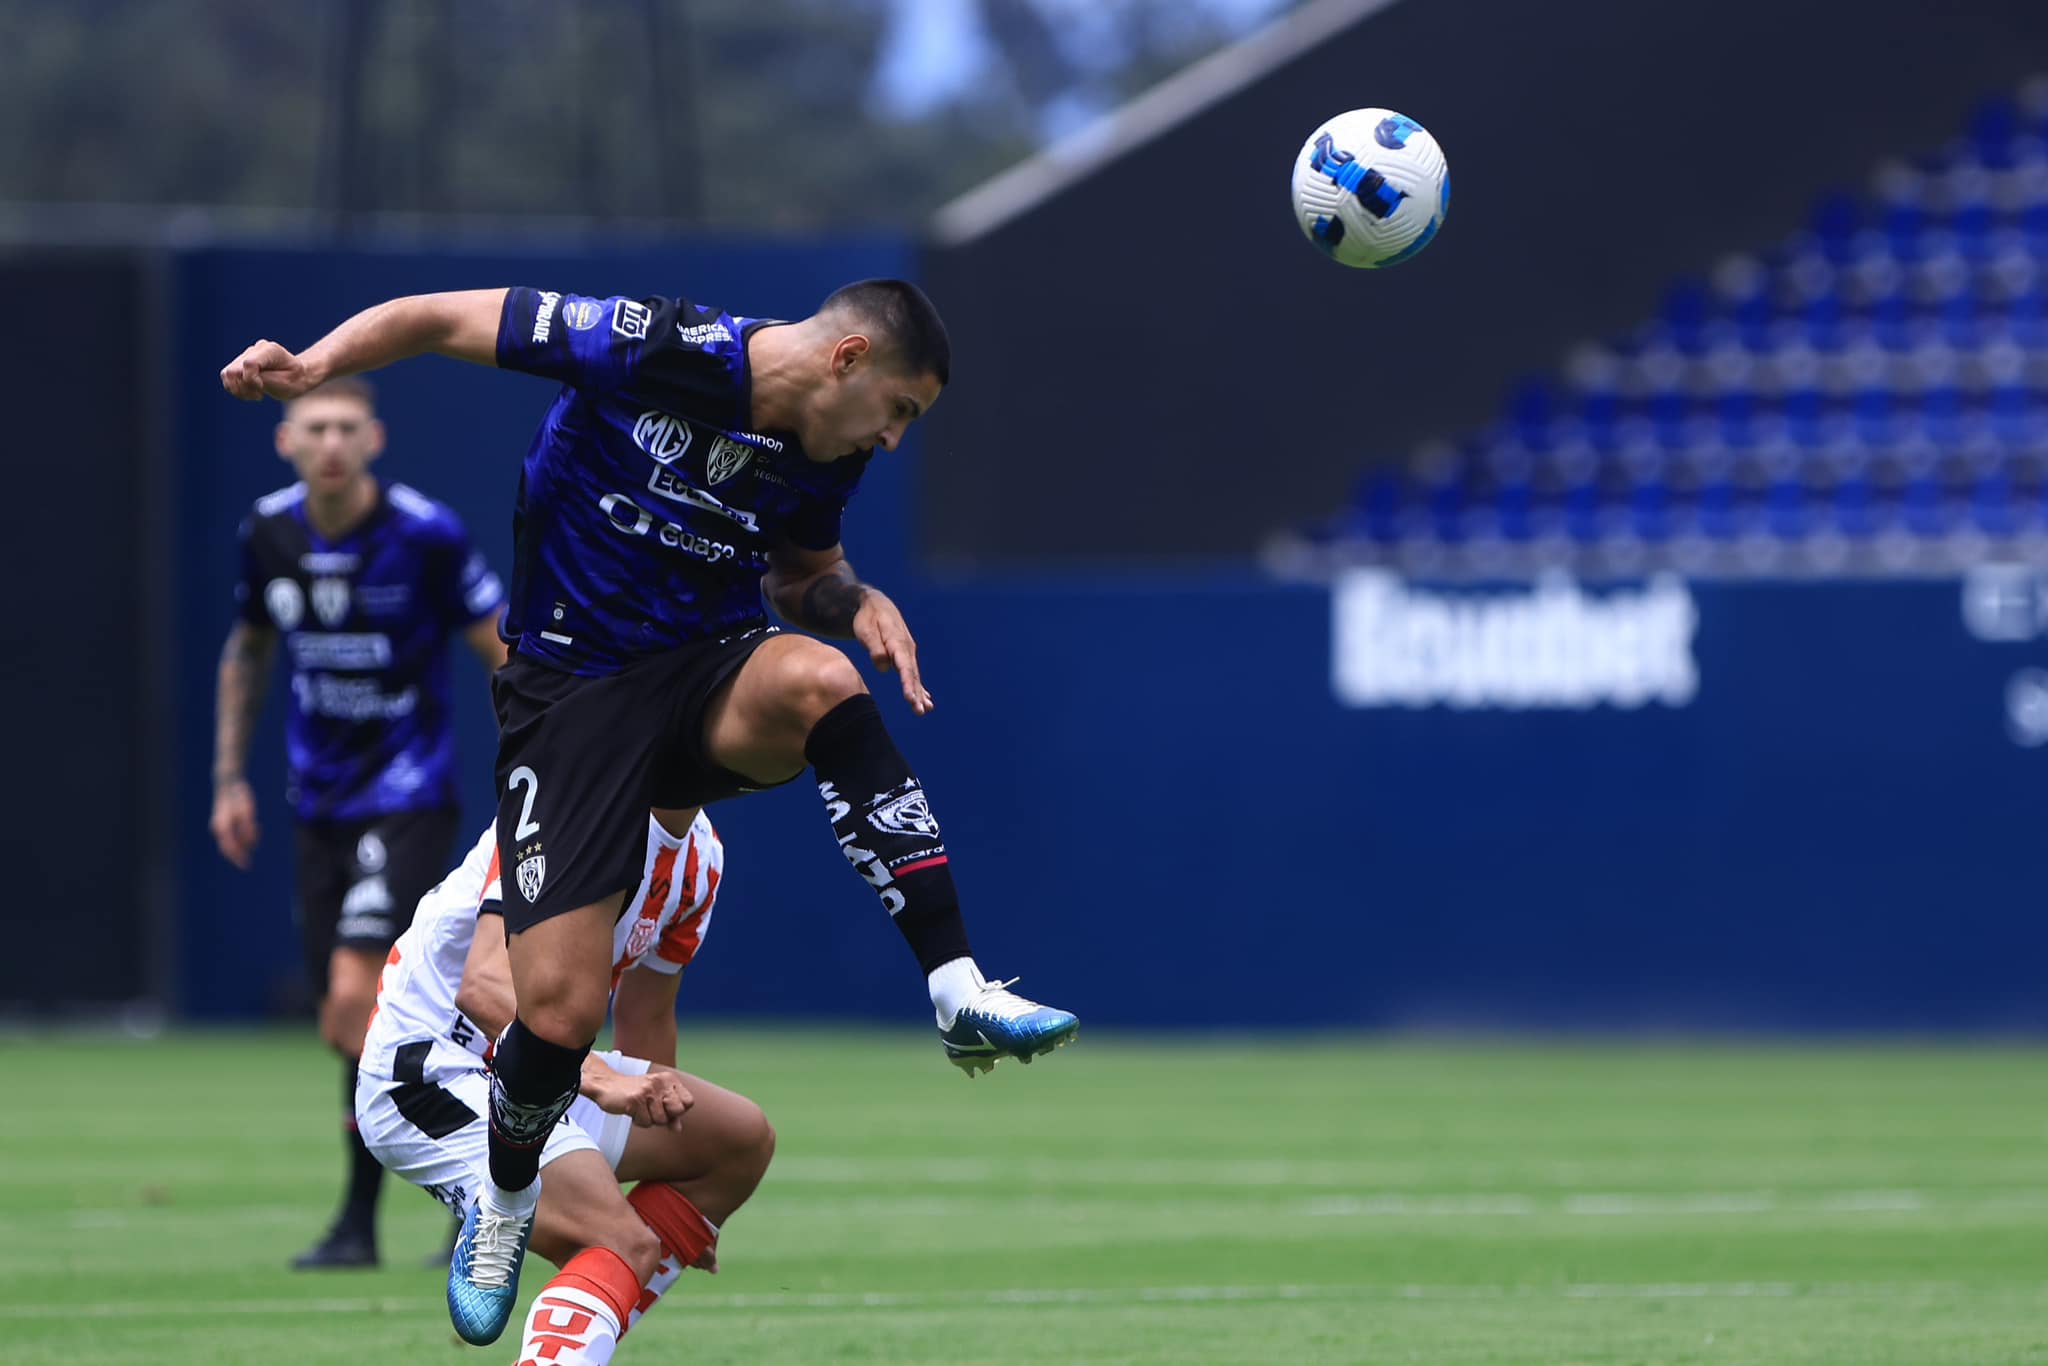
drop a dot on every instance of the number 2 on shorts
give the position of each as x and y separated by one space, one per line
525 777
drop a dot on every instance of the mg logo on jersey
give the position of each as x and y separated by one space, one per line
908 814
662 435
285 602
728 457
532 873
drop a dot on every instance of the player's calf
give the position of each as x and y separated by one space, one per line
582 1208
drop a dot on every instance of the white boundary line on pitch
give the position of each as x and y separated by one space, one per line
1389 1205
1135 1295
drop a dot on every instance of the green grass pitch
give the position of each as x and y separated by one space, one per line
1321 1200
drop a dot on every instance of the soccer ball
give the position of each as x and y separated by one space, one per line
1371 188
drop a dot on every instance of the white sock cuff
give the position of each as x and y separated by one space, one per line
953 984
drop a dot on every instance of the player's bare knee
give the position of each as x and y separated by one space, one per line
566 1022
749 1148
563 1009
759 1149
819 680
634 1242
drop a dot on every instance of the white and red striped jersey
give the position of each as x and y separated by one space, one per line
660 929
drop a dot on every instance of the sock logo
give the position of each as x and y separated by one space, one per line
525 1125
909 813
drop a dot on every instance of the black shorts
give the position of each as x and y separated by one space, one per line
360 880
580 761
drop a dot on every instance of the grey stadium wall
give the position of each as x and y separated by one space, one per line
1153 364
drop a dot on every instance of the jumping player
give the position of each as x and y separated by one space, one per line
693 461
697 1151
364 582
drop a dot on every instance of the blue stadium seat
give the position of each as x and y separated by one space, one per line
1868 373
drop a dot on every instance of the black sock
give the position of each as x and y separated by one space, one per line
533 1083
365 1173
885 828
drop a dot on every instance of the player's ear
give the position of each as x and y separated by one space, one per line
282 436
376 438
849 352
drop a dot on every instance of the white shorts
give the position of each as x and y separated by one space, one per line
433 1133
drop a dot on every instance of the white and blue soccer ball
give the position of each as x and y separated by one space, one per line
1371 188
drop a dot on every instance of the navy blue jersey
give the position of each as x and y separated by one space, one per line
366 621
646 507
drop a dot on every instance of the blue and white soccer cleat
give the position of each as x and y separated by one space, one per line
998 1023
483 1272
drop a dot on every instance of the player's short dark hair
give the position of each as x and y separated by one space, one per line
348 386
906 320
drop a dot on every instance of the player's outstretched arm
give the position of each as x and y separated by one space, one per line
238 698
817 591
462 324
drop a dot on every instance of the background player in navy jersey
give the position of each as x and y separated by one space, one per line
365 582
693 460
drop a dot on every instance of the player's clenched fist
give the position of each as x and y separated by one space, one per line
267 370
656 1100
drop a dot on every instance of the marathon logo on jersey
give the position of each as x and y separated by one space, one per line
669 484
330 601
285 601
631 320
703 334
544 316
728 457
582 314
766 443
662 435
533 872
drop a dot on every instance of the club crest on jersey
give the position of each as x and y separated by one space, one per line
908 814
285 602
728 457
330 600
662 435
532 873
641 936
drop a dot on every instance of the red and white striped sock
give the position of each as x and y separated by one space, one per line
578 1316
686 1235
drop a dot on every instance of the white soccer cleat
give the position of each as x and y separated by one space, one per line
998 1023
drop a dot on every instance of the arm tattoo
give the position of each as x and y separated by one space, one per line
832 601
244 677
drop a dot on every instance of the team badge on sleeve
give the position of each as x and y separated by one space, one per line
630 320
